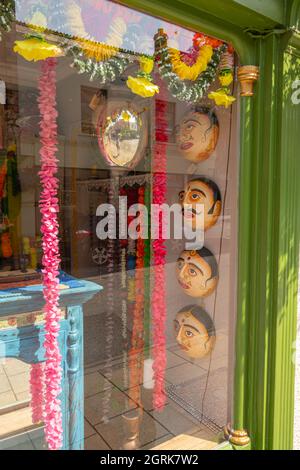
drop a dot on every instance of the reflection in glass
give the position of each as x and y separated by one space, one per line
122 137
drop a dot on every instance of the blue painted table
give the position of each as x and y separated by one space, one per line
22 336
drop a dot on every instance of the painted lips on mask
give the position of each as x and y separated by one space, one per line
190 213
186 146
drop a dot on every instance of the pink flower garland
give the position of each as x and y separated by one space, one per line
51 259
37 392
159 255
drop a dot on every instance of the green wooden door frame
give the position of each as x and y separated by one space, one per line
269 218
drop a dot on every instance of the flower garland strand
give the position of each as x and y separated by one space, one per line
37 392
181 89
110 293
222 97
159 255
147 257
188 66
50 244
136 353
123 265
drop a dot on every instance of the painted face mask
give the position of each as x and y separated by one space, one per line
201 195
194 331
197 272
197 135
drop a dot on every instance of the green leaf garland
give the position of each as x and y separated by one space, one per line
7 15
104 72
183 90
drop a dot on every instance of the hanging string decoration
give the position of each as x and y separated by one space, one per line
147 257
159 257
7 15
110 293
50 244
123 265
185 90
222 96
136 353
37 392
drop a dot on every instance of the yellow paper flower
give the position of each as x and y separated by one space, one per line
146 64
226 79
187 72
221 98
142 87
97 51
36 49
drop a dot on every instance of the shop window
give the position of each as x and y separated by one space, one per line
158 338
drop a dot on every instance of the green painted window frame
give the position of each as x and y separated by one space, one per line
269 219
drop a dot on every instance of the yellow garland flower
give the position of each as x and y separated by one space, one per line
146 64
36 49
187 72
221 98
125 116
142 87
226 79
97 51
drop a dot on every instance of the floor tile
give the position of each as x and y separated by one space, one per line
37 438
146 397
95 383
187 442
23 396
184 372
20 442
173 360
4 384
20 382
117 431
95 442
215 363
14 366
88 429
106 404
119 376
7 398
176 421
157 442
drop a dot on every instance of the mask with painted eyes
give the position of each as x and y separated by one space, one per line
194 331
201 196
197 272
197 134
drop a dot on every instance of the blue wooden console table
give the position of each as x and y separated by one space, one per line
22 336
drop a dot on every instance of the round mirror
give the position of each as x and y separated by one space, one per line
122 136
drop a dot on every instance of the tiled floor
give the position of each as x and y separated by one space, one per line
14 381
155 428
113 411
